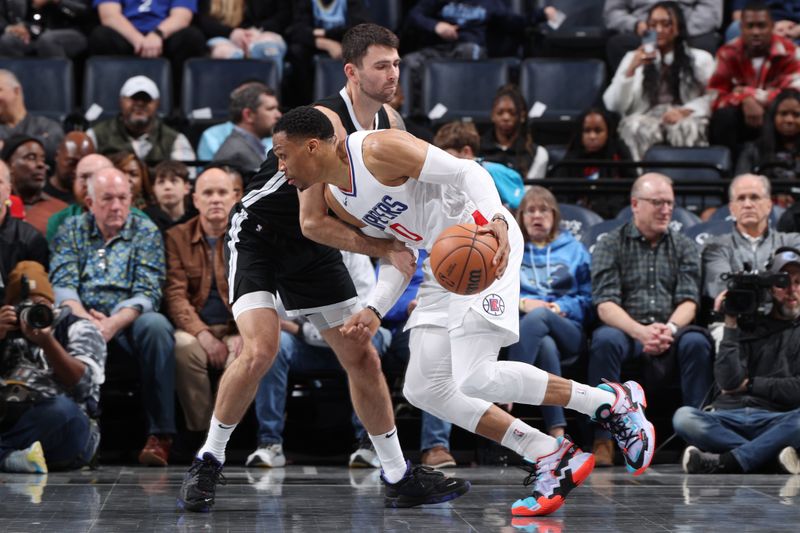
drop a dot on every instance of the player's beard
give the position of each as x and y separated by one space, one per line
379 96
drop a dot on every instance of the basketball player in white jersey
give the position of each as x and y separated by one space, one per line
393 185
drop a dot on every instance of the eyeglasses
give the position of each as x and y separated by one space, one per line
658 203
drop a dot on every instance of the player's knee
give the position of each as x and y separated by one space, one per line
258 356
363 361
477 382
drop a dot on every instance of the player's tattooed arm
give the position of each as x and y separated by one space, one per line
395 119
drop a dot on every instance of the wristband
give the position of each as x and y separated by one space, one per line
160 33
377 313
673 327
499 216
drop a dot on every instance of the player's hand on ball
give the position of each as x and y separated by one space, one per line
361 326
402 258
498 228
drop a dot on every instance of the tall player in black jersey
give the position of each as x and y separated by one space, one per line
270 248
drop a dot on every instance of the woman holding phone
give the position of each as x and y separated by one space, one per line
659 88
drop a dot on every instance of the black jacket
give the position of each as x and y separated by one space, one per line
769 357
19 241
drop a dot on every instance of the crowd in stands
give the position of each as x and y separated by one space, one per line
121 221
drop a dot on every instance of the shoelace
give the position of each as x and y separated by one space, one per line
208 475
616 426
533 473
427 470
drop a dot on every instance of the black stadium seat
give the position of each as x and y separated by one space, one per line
387 13
329 76
47 85
567 87
207 84
466 88
578 219
105 75
719 156
581 34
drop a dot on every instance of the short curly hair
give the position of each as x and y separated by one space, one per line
305 122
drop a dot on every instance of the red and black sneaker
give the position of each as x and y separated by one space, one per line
553 476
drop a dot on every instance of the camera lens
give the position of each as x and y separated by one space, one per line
37 316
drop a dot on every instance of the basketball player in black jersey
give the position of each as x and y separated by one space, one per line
270 249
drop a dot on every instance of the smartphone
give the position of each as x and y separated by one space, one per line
649 40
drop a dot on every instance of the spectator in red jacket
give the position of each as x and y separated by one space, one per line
750 72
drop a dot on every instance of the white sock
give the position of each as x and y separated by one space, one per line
527 441
387 446
587 400
217 439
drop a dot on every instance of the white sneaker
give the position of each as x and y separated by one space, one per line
269 456
789 461
364 456
27 461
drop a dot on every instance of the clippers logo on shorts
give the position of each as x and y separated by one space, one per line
494 305
384 212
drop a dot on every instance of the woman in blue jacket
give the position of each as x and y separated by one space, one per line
555 293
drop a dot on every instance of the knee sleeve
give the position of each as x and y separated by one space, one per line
429 381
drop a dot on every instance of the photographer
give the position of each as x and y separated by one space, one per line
756 417
50 377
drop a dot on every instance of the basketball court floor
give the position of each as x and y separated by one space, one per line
335 499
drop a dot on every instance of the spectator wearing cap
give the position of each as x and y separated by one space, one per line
76 144
756 419
44 28
108 266
58 370
14 116
156 28
138 129
19 241
26 161
254 111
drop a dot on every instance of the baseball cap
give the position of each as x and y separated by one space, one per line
14 142
140 84
784 256
38 282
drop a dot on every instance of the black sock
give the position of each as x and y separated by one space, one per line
729 464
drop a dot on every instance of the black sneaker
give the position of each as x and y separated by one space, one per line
423 485
696 461
200 484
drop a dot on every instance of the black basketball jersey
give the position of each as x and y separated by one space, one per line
270 199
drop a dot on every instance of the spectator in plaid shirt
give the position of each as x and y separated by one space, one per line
645 284
750 73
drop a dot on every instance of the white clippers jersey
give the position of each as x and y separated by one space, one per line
414 212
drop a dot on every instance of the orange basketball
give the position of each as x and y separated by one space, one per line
461 259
